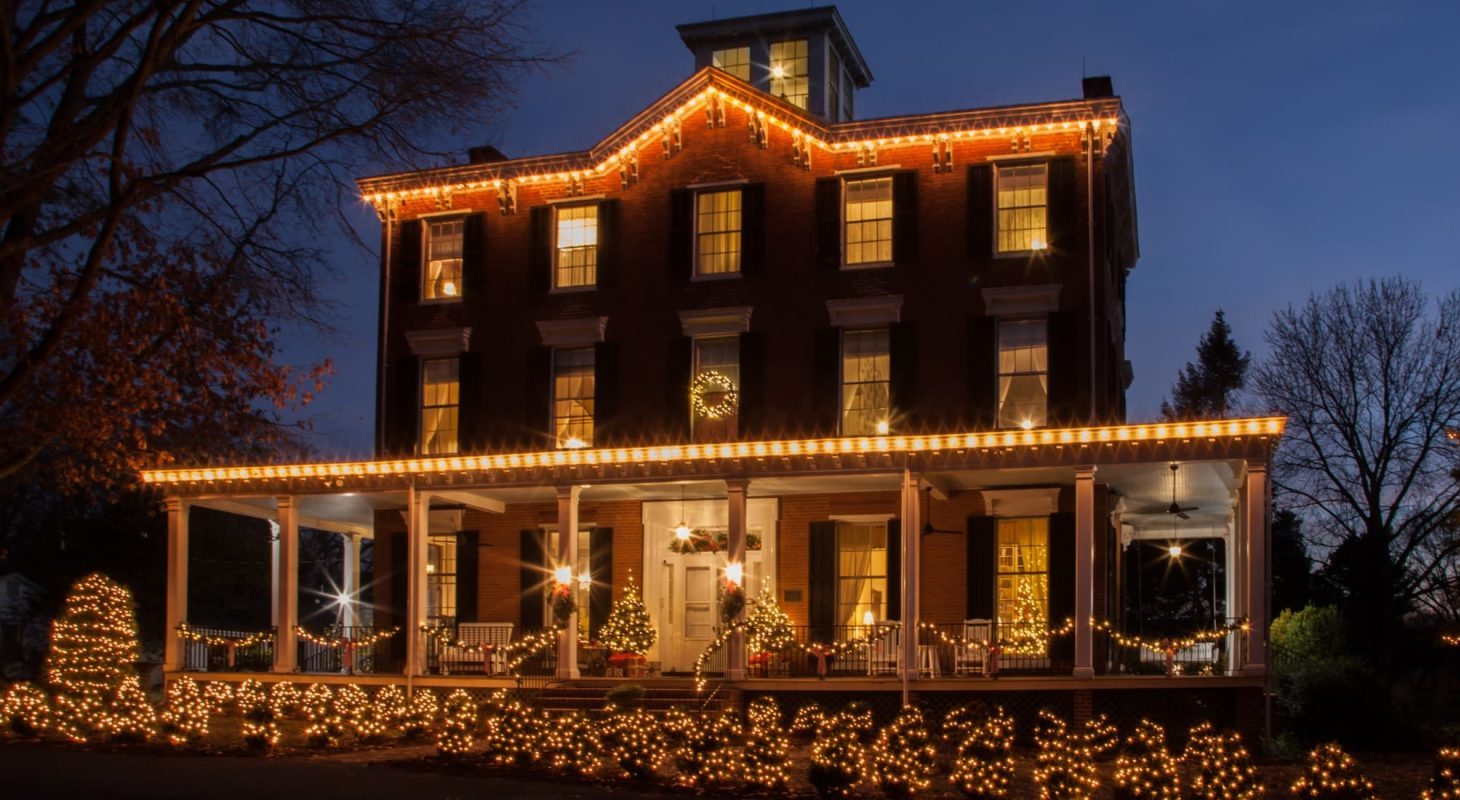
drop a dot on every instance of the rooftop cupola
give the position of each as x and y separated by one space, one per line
807 58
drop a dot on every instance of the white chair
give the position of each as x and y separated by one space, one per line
493 661
972 657
885 653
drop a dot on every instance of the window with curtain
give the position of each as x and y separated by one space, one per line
441 579
576 247
443 259
861 572
866 382
440 398
1023 205
734 60
717 364
1023 373
790 79
1023 583
869 221
717 232
580 589
573 396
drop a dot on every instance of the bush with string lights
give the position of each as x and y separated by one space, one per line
93 650
1222 767
388 708
420 714
285 698
568 745
632 744
512 729
458 728
1445 782
984 765
807 720
260 724
1064 765
838 757
1146 768
1102 736
185 712
1332 774
352 705
326 727
767 748
904 758
26 709
219 696
710 753
961 721
857 715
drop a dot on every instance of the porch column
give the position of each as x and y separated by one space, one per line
1084 570
350 581
1257 574
418 529
567 556
174 654
286 586
911 514
735 554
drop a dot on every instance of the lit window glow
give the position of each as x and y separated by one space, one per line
443 259
869 221
866 381
1023 205
790 79
440 398
734 60
576 247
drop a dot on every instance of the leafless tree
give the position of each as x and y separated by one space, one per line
166 169
1369 376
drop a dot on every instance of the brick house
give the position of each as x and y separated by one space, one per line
871 369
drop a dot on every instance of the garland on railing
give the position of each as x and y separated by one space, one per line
820 650
343 642
516 652
1167 647
212 640
1450 639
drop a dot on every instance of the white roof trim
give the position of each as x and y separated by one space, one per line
1009 301
715 321
572 332
439 341
864 311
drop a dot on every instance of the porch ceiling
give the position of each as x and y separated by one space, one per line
1210 487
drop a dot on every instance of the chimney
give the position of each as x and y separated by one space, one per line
1097 86
484 154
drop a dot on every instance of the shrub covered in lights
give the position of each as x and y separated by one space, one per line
962 721
838 757
185 713
1102 736
984 765
710 753
260 724
511 731
857 715
806 722
1223 768
458 729
219 695
569 745
1445 782
285 697
388 708
632 744
1146 768
767 747
352 706
1064 766
420 714
1332 774
904 758
93 650
26 709
326 727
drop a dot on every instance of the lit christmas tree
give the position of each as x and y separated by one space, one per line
904 758
93 651
984 765
767 628
1332 774
1029 629
1146 768
628 628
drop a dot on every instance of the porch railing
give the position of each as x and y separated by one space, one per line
1175 656
352 649
984 650
488 653
216 649
879 658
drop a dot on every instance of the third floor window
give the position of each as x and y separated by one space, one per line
1023 208
442 276
790 78
717 232
734 60
440 401
575 247
869 221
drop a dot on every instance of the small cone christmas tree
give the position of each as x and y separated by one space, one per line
628 628
767 628
93 651
1030 627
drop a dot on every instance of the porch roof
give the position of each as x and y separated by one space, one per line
1247 438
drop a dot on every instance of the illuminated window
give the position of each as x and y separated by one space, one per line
1023 584
440 396
1023 203
1023 373
869 221
735 60
577 247
717 232
717 367
865 382
441 579
573 397
789 77
861 551
443 259
580 589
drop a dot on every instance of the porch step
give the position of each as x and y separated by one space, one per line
657 699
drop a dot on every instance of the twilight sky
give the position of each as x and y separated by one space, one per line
1279 147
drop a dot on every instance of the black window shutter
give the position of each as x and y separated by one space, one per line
605 392
752 228
982 566
826 391
468 552
903 383
983 366
537 412
608 243
894 569
532 579
540 264
1061 580
1064 206
752 386
829 223
398 591
407 270
472 412
980 211
1067 358
823 580
474 254
676 398
905 217
403 417
600 567
681 234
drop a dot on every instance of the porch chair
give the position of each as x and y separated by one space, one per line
885 653
972 658
492 662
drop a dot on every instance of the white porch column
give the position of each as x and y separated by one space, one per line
735 554
567 556
1258 550
418 522
911 515
350 581
286 586
174 653
1084 570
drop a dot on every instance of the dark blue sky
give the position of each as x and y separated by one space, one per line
1280 147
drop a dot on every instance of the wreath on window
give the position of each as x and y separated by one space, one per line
714 395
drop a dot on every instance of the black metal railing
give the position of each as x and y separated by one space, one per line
985 649
1177 655
490 650
352 649
818 654
218 649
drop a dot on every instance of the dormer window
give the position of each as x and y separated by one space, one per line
790 72
734 60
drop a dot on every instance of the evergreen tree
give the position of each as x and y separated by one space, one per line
628 628
768 628
93 652
1208 389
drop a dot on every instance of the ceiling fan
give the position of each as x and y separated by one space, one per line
1176 508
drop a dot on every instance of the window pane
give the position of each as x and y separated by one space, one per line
735 60
1022 204
862 571
1023 584
714 414
865 382
1023 373
717 229
573 397
789 72
577 246
869 221
443 259
440 394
